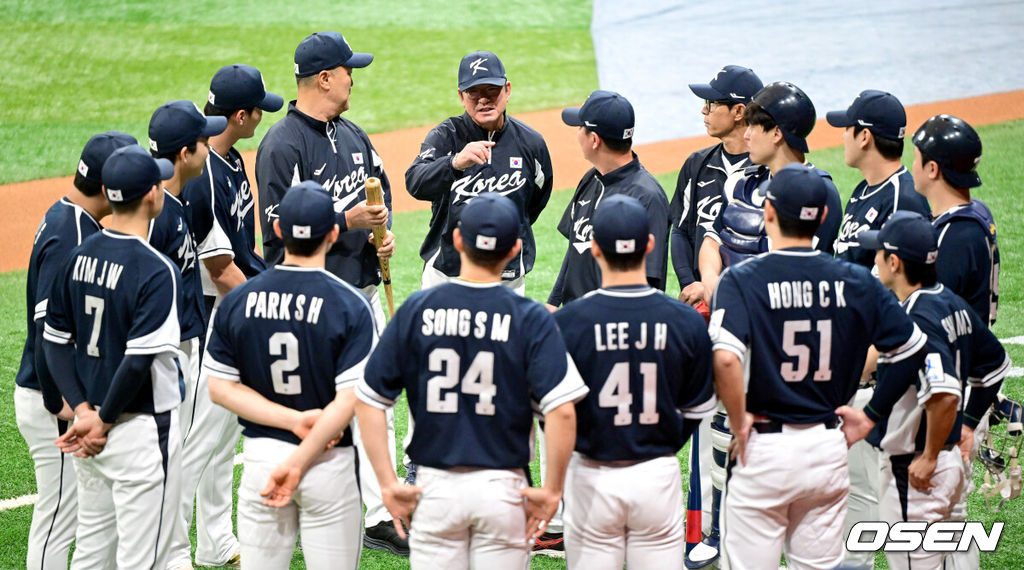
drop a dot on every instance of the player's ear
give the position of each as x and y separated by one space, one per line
865 139
457 240
777 137
769 212
277 229
650 244
332 236
738 111
595 250
240 116
824 213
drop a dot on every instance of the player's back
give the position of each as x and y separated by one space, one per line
114 301
295 325
807 321
647 361
476 360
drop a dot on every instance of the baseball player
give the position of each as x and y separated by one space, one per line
112 346
605 135
646 359
220 208
482 150
477 361
699 190
282 346
874 126
873 129
947 151
779 119
696 203
793 326
313 142
40 412
915 419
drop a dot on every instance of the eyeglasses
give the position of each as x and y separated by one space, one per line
489 92
710 105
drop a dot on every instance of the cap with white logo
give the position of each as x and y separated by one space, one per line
306 211
481 68
907 234
490 222
877 111
621 225
606 113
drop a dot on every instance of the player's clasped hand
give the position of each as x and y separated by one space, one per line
693 293
305 422
476 152
86 437
387 247
283 481
364 217
541 505
856 424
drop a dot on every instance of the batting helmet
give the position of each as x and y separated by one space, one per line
792 110
954 145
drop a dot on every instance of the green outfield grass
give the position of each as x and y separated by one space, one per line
999 170
72 69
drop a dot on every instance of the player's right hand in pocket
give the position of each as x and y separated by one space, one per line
740 436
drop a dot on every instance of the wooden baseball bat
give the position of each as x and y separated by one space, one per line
375 197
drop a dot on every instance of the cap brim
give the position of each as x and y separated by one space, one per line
571 116
496 81
704 91
272 102
214 126
869 239
839 119
359 60
166 168
961 179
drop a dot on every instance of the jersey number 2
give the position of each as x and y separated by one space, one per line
478 380
285 344
615 393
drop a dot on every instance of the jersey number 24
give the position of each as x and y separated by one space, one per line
478 380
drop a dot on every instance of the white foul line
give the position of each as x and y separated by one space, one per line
22 501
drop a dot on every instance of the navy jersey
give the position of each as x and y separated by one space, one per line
580 273
294 335
220 209
170 234
339 156
968 261
747 191
802 323
118 296
63 228
519 169
869 207
696 203
476 360
961 351
646 359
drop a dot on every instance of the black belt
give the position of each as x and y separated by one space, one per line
775 426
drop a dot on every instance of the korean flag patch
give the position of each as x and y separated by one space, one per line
357 157
871 215
486 243
301 232
625 245
83 168
515 162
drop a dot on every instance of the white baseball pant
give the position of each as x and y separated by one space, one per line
325 510
630 515
862 505
902 502
789 497
127 495
469 518
971 559
209 437
55 514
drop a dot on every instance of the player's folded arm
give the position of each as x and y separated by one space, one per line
131 374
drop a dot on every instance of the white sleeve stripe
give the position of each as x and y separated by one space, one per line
704 410
220 375
992 377
367 394
155 349
722 336
909 348
729 348
217 368
568 390
340 382
56 336
40 310
944 388
216 252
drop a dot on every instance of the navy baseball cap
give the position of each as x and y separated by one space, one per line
481 68
731 83
180 123
326 50
490 222
130 172
907 234
306 211
954 145
798 192
621 225
98 150
877 111
606 113
241 86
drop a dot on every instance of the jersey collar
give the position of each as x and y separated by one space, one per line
80 209
631 291
479 133
621 173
